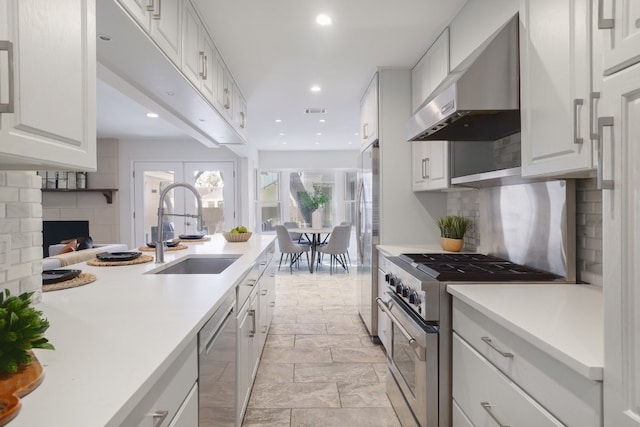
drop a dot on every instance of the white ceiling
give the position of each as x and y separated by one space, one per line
276 52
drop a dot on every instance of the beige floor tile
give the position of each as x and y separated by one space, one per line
361 355
355 395
334 372
280 340
275 373
255 417
296 355
295 395
343 417
319 341
298 328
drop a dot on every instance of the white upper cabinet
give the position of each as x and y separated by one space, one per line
224 88
556 87
369 113
162 20
198 53
48 94
620 22
430 160
239 111
430 71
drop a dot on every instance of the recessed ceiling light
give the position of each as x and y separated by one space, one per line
323 20
104 37
356 134
349 142
317 143
322 120
315 88
278 121
281 133
318 133
284 142
170 93
152 115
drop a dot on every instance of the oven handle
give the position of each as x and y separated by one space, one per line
412 341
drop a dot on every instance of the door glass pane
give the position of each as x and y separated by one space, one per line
154 183
303 182
268 204
210 186
350 194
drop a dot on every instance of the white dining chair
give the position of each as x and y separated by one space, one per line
293 251
337 247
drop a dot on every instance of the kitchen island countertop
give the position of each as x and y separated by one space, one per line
564 320
116 336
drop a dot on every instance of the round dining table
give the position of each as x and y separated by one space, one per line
314 235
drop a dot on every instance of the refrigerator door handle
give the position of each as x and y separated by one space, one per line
360 205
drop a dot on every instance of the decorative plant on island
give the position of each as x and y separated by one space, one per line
452 230
21 329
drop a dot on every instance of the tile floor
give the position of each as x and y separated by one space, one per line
319 367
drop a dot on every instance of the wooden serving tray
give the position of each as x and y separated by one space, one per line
13 387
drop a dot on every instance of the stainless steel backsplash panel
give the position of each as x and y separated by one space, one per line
531 224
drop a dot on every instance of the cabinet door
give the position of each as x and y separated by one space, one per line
621 28
555 87
53 123
621 254
187 415
192 54
431 70
166 27
247 357
208 87
369 113
384 323
438 165
419 155
139 10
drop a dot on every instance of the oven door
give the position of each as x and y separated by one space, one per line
413 363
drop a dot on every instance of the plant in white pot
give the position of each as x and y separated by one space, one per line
452 230
310 203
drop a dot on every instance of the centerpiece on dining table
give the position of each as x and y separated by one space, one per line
310 203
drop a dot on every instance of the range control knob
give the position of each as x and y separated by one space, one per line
392 280
405 291
387 277
399 287
413 297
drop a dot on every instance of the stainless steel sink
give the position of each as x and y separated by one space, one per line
198 264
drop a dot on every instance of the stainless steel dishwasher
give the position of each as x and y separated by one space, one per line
217 367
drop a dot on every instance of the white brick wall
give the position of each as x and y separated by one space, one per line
21 221
103 218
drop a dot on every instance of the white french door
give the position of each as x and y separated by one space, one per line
215 182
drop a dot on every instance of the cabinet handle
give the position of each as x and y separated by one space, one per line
365 134
157 15
251 282
576 132
206 67
158 417
490 344
487 407
202 72
424 168
227 99
242 119
252 313
603 23
7 46
601 183
593 114
265 292
427 166
151 5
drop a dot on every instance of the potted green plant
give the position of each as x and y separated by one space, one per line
310 203
21 329
452 230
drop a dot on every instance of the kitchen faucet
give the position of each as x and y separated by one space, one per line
161 214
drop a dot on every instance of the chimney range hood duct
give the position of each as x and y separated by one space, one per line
480 99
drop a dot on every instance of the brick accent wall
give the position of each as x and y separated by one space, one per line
21 227
588 226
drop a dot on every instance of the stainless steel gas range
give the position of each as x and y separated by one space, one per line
415 325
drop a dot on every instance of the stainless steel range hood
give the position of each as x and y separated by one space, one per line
480 99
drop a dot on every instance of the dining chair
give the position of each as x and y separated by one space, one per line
296 237
337 247
347 223
293 251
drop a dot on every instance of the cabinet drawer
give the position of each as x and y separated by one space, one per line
169 392
458 418
572 398
488 397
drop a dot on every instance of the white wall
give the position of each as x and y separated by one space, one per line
20 233
157 151
309 160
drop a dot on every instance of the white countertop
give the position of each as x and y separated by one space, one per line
564 321
114 337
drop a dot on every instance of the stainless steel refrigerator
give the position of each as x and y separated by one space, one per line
368 234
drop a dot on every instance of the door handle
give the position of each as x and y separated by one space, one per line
7 46
576 132
601 183
603 23
412 341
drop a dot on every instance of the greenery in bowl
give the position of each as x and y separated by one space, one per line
21 329
319 197
453 227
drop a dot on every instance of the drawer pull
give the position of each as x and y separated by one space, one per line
159 417
487 407
490 344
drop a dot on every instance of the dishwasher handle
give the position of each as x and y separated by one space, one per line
219 329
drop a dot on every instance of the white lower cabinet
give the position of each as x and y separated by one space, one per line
500 378
173 398
247 357
458 418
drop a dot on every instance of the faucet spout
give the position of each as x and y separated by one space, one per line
161 214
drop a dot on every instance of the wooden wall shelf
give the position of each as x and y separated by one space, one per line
106 192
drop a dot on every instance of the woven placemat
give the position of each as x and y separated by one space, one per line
175 248
79 280
204 239
140 260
